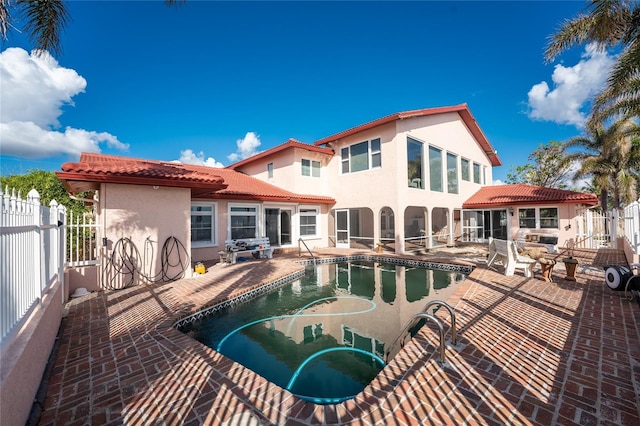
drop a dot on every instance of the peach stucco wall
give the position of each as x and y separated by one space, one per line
211 252
148 216
24 358
82 276
287 171
567 214
387 186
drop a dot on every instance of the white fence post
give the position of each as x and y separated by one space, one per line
61 223
33 203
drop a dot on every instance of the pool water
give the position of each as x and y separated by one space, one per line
324 337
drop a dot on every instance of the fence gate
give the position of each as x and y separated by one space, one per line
595 230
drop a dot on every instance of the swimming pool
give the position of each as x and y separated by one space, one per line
324 335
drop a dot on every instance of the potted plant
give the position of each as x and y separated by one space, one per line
570 265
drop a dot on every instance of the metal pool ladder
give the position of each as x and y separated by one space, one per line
313 258
424 314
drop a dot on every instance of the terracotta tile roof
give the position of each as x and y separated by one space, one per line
205 182
462 110
241 186
290 144
519 194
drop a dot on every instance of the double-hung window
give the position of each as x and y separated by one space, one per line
203 224
361 156
309 221
243 221
310 168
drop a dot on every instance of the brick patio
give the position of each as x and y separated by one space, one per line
529 352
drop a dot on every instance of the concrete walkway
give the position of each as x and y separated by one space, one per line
530 352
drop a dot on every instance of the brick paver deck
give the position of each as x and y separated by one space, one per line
529 352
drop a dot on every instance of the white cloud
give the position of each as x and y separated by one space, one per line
498 182
25 139
189 157
247 147
573 88
34 90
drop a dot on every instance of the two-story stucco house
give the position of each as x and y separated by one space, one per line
399 180
398 183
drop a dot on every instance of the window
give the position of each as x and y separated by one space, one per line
476 172
312 332
452 173
270 170
527 218
465 169
243 221
310 168
376 154
540 218
361 156
414 163
203 220
435 168
549 217
308 221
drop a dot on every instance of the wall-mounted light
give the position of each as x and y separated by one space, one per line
511 210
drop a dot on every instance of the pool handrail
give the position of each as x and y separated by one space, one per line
410 323
454 332
432 317
313 258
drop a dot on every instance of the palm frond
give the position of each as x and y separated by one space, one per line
5 17
570 33
45 21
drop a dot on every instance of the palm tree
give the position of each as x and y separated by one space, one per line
44 21
611 157
609 23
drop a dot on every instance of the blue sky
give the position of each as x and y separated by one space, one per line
214 82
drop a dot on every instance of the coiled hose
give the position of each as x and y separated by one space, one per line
122 267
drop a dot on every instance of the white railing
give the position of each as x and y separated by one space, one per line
32 247
81 240
631 221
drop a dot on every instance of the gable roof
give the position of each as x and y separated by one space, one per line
204 182
462 110
523 194
290 144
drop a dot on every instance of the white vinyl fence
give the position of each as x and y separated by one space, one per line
32 251
82 248
631 221
595 230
